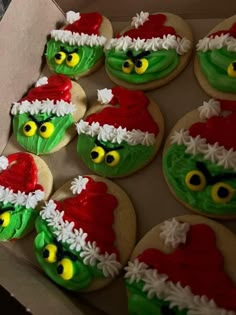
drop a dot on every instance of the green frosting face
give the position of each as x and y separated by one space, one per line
41 137
155 66
214 64
15 221
74 60
61 264
209 194
112 159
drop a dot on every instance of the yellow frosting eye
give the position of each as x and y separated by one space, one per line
222 192
231 70
50 253
5 219
59 57
128 66
97 154
29 128
72 60
46 130
141 66
112 158
65 269
195 180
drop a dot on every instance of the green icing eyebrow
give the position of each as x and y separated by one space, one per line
40 122
98 143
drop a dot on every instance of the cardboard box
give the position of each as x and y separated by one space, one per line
24 31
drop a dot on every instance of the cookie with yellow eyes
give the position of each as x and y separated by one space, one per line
215 61
199 159
83 239
150 52
43 121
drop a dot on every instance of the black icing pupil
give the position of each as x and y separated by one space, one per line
46 253
195 180
234 66
60 269
109 159
69 58
58 56
223 192
138 63
43 128
165 310
126 64
1 221
27 128
94 155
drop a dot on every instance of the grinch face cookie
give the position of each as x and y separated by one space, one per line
183 266
77 50
215 63
121 133
25 180
199 159
83 237
149 53
43 121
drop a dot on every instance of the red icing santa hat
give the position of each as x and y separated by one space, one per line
218 40
149 33
214 137
50 95
83 29
130 121
18 181
84 223
192 277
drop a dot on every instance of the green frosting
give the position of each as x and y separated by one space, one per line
21 222
82 274
160 64
37 144
140 304
89 56
132 157
177 163
214 64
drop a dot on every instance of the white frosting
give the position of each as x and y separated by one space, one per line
181 45
104 96
209 109
90 253
174 232
217 42
58 108
77 240
78 39
78 184
195 145
41 81
72 16
3 163
115 135
139 19
156 284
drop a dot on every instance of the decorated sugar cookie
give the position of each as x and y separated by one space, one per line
150 52
77 50
199 159
43 121
215 63
121 133
183 266
86 233
25 181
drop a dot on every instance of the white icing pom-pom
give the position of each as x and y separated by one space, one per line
139 19
104 96
72 16
41 81
3 163
78 184
209 109
174 232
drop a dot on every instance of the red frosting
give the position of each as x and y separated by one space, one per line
132 112
89 23
231 32
152 28
197 264
21 174
57 88
93 211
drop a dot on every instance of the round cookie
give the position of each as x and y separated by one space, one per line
199 159
43 121
121 133
215 61
86 233
150 52
183 266
25 180
77 50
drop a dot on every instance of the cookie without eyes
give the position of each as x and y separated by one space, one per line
199 159
150 52
215 61
121 133
43 121
25 181
77 49
86 233
183 266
